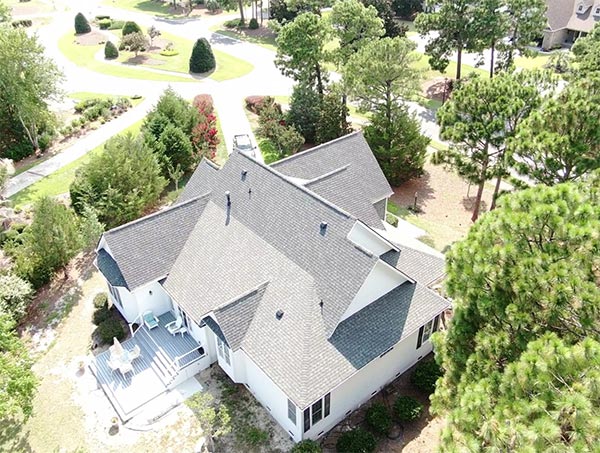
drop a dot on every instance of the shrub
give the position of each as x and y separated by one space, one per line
101 300
356 441
104 24
22 23
253 24
391 219
213 6
81 24
202 58
169 53
379 419
130 27
256 103
306 446
205 136
110 51
254 437
45 140
18 150
425 376
135 42
102 17
101 314
176 147
117 25
407 409
15 296
233 23
109 329
268 151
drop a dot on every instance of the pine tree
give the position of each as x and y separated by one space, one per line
81 24
202 58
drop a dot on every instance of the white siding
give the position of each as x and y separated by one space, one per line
271 397
128 308
381 280
368 239
152 296
365 383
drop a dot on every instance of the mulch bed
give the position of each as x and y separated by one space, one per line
92 38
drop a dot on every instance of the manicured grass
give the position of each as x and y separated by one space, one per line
450 72
58 182
268 42
228 66
84 56
153 7
536 62
84 95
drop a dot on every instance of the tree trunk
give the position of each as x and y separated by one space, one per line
319 80
241 5
475 215
344 112
31 135
492 59
458 62
496 190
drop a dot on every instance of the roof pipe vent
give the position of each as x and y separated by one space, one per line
228 195
279 314
244 174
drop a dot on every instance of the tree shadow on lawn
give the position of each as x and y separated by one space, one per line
12 437
404 195
143 59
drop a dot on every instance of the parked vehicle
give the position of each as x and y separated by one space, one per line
243 144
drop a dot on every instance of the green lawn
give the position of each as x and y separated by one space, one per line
84 56
268 42
228 66
58 182
153 7
535 62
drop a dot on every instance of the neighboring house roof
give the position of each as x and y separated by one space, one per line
563 14
200 181
586 21
352 150
559 13
145 249
343 188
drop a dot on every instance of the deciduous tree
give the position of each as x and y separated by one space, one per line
391 24
135 42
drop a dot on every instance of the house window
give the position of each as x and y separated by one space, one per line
292 412
116 297
223 350
426 331
317 411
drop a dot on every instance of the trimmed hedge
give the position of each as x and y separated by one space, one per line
117 25
253 24
81 24
110 51
109 329
233 23
407 409
356 441
379 419
131 27
104 24
22 23
202 58
426 375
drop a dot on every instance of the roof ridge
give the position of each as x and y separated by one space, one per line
316 148
157 213
326 175
307 191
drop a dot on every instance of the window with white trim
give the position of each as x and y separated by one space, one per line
426 331
292 411
223 350
317 411
116 297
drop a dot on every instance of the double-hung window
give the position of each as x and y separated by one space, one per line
426 331
292 411
223 351
317 411
116 297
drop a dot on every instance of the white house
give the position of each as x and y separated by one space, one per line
280 275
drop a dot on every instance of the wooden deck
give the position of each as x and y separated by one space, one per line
159 363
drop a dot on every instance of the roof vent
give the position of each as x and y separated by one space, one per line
323 228
279 314
244 174
228 198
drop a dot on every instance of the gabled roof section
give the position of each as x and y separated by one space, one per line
342 188
559 13
379 326
352 150
200 181
235 317
424 268
110 269
145 249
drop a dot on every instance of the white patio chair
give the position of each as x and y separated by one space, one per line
114 364
150 320
126 368
174 326
134 353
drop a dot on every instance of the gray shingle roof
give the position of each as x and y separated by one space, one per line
422 267
351 149
342 188
372 331
110 269
235 317
559 13
145 249
200 182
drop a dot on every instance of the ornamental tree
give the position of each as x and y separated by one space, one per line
82 25
526 269
202 58
135 42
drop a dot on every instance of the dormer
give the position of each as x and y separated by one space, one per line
596 11
583 6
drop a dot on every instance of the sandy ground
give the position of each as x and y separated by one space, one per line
442 198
